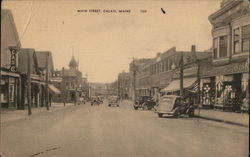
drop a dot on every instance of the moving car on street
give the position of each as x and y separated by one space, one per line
95 101
113 101
174 105
145 103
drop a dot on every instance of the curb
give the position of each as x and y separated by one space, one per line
220 120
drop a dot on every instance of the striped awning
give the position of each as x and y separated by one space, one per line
54 89
188 83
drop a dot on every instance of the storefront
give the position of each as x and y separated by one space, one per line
9 89
207 88
226 86
189 88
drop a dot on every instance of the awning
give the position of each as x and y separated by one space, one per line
175 84
5 73
54 89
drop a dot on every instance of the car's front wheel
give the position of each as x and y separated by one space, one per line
191 112
160 115
135 107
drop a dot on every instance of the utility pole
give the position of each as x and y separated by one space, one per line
29 85
134 75
181 75
47 82
75 92
198 90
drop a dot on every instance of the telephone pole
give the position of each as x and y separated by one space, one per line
29 85
47 82
181 75
198 90
134 75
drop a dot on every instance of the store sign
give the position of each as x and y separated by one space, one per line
13 58
228 69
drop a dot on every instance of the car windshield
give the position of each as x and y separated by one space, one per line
113 98
168 100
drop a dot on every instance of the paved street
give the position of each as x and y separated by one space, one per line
101 131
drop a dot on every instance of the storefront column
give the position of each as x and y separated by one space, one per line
19 91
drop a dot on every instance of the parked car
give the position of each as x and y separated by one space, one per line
113 101
100 98
94 101
145 103
174 105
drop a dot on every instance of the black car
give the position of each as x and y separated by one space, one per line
144 102
95 101
174 105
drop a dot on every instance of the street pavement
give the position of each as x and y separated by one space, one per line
102 131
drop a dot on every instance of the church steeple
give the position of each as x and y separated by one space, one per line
73 64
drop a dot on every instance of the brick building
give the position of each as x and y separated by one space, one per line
123 85
69 82
158 73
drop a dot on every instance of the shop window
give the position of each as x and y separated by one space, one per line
215 50
246 38
223 46
236 46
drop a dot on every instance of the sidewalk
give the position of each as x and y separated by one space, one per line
13 114
241 119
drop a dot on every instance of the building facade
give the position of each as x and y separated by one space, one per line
10 79
123 85
154 76
226 80
69 82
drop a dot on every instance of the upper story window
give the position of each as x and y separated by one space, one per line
223 46
220 47
246 38
166 65
215 51
236 36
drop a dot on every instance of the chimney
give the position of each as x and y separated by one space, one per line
62 71
158 54
193 49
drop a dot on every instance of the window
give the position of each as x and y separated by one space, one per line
246 38
170 64
223 46
166 65
157 67
236 46
163 66
215 51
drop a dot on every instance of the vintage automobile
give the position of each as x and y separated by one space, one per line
174 105
113 101
144 102
95 101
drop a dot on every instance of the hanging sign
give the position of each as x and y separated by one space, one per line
13 52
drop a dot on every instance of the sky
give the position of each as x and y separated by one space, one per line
104 43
